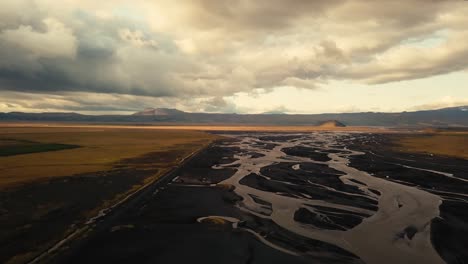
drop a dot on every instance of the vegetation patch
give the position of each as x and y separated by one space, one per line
11 147
446 144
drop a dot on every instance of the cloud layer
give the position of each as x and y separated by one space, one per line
200 51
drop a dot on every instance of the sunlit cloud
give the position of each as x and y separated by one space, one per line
205 52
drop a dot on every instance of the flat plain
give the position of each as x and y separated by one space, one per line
440 143
253 194
54 179
92 149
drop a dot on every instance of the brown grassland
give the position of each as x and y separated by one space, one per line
441 143
100 149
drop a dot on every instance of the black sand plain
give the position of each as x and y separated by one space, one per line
175 220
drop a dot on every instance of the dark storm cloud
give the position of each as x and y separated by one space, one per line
101 60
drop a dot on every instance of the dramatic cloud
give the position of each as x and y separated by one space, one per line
199 52
57 41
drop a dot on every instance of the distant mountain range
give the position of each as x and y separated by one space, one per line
454 116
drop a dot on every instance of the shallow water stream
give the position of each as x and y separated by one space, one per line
397 230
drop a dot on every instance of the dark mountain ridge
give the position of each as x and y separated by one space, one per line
446 117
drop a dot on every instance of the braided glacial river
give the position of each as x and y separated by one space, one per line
377 220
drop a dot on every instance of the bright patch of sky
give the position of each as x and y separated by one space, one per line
431 41
344 96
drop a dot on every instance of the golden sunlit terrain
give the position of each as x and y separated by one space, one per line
447 144
204 127
99 149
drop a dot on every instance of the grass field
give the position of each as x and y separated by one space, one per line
54 152
447 144
52 179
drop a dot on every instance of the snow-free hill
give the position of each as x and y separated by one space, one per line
331 124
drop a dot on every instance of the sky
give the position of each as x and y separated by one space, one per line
291 56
